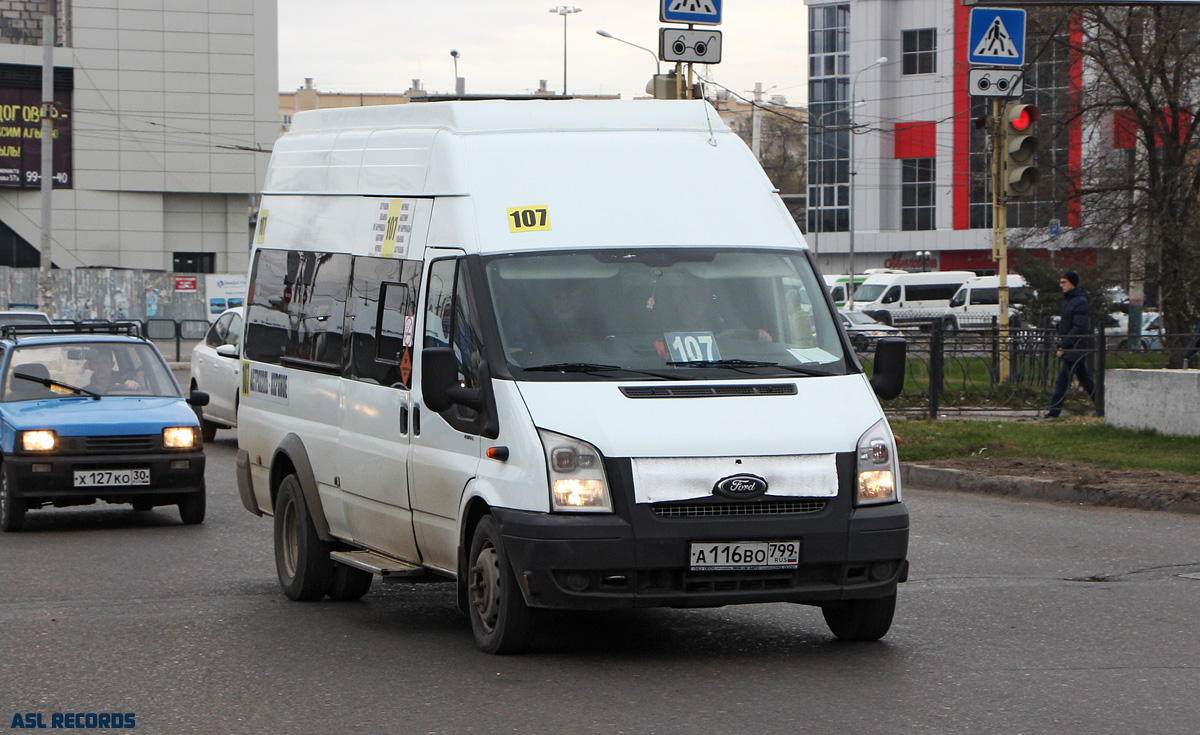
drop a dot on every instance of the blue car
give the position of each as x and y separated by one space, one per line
92 412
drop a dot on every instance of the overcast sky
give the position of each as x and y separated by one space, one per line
507 46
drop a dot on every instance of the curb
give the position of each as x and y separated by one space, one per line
938 478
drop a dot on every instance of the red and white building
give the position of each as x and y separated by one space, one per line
918 164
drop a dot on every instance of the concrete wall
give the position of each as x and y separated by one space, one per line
1167 401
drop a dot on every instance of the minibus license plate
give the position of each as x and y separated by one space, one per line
105 478
717 557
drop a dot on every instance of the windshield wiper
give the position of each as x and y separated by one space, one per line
736 364
732 363
50 383
807 371
589 367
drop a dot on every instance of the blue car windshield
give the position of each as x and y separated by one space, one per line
100 368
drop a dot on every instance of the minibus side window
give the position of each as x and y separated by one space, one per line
382 297
985 296
450 321
297 308
960 297
892 296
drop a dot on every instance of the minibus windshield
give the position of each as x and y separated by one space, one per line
868 292
667 313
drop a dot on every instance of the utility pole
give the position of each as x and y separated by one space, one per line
756 123
1000 230
49 31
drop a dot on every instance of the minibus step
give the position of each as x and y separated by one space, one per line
376 563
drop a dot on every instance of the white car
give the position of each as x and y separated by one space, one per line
864 330
216 371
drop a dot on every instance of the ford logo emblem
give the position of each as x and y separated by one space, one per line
740 486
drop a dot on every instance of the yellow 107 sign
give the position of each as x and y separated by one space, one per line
528 219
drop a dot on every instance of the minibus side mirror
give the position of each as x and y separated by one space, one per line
888 379
439 382
198 398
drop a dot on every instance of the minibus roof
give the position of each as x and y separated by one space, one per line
610 173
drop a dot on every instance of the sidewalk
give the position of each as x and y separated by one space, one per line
938 478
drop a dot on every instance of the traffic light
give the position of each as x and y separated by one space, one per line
663 87
1020 147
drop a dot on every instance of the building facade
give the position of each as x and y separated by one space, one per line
166 115
892 130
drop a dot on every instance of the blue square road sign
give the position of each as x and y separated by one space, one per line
700 12
996 37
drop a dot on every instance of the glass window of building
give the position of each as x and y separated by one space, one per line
829 118
920 51
917 202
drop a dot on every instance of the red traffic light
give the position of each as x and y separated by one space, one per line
1021 118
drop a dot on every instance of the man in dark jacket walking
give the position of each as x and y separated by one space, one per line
1075 329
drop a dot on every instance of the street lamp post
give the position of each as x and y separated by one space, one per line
459 88
853 172
564 11
657 66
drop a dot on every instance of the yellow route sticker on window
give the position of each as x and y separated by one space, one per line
528 219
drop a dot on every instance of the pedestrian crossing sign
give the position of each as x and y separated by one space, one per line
997 37
699 12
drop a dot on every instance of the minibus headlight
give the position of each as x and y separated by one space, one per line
876 479
179 437
577 481
39 441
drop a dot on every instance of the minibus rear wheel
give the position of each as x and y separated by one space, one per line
301 557
349 583
860 620
500 619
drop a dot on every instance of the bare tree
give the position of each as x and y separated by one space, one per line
1137 112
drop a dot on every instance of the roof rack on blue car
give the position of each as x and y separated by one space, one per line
12 331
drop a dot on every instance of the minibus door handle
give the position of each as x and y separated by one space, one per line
403 420
416 419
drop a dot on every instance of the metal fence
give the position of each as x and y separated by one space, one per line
961 370
175 338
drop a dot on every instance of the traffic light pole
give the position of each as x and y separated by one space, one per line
1000 231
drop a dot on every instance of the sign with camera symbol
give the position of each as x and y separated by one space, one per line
697 47
995 82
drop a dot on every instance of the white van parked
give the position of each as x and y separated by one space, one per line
513 345
909 298
977 302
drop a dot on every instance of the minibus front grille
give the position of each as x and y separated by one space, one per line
709 391
725 510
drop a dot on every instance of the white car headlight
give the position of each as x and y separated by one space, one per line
39 441
877 479
577 480
179 437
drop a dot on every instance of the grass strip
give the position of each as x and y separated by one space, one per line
1083 439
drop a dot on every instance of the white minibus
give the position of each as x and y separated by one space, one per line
908 298
977 302
570 355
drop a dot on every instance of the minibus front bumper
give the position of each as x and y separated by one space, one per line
595 562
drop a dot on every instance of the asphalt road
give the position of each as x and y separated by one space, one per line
1019 618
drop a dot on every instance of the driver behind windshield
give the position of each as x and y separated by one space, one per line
105 379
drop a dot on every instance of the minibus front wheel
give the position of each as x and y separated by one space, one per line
500 619
860 620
